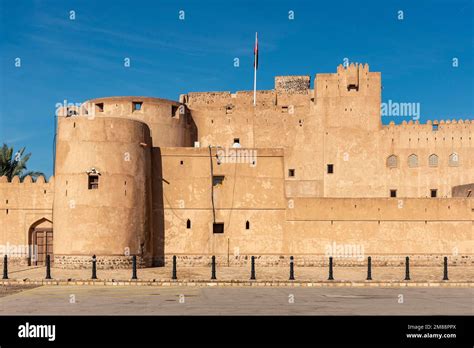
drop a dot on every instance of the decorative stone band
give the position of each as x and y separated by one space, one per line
103 262
319 260
125 262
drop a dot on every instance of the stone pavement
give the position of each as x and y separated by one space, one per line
457 274
127 300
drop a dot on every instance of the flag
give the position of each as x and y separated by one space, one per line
255 52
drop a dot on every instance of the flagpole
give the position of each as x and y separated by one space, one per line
255 74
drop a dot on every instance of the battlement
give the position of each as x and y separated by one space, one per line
353 74
432 125
27 180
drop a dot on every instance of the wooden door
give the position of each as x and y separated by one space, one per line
43 242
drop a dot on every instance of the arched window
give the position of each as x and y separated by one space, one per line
433 160
392 161
453 159
247 225
188 224
413 161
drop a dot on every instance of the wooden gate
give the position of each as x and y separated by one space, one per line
43 245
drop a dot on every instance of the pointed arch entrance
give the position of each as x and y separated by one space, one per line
41 241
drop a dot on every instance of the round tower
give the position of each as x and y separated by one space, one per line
102 198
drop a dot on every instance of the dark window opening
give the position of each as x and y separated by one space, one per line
291 173
93 182
236 141
72 112
181 162
137 106
247 225
100 107
284 109
188 224
218 227
330 168
434 193
217 180
393 193
228 109
352 86
174 110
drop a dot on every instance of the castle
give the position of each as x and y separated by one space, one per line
213 174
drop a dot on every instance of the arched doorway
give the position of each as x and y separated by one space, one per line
41 242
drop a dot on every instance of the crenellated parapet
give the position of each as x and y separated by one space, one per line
21 195
27 180
432 125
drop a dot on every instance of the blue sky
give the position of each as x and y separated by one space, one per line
75 60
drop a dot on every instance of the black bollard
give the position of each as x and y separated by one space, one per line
292 269
173 276
331 277
252 269
5 267
445 276
369 268
407 268
213 267
94 267
134 267
48 267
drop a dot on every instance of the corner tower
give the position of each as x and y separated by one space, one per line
350 98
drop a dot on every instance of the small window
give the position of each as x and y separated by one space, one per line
217 180
137 106
392 161
71 112
291 173
247 225
330 168
93 182
229 109
100 107
434 127
453 160
284 109
218 227
236 141
181 162
188 224
174 110
393 193
413 161
434 193
433 160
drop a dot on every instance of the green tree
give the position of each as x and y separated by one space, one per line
12 164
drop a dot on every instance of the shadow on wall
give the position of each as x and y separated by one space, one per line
157 214
463 191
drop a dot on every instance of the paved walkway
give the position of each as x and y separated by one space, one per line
87 300
314 274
